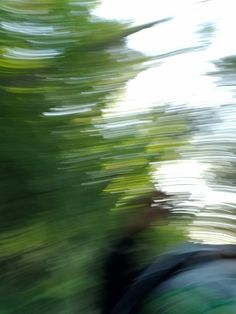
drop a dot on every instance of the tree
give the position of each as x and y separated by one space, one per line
60 66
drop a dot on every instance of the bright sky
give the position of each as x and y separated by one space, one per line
180 79
192 86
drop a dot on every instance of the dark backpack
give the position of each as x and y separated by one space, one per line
190 258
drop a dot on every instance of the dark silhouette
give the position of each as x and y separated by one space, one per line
120 267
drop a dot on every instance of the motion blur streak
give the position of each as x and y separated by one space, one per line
98 108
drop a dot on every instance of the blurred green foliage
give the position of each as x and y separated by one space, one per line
62 169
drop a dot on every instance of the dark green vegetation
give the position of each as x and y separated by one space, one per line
64 166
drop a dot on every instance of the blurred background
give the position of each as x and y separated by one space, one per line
103 102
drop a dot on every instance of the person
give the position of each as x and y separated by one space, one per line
191 279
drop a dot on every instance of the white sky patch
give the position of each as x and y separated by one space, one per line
180 79
141 11
186 176
212 237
